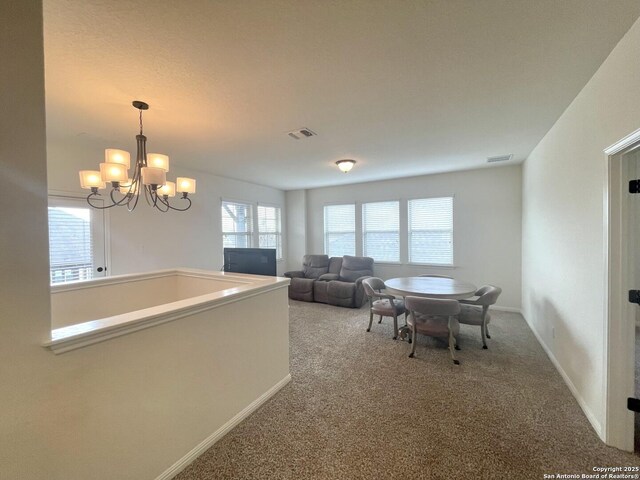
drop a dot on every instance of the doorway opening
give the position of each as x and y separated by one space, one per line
622 338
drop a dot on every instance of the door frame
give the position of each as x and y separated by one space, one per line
619 331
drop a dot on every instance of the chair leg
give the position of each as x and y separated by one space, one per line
370 320
406 316
413 345
380 321
395 326
483 327
452 342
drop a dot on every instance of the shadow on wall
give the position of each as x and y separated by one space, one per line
560 343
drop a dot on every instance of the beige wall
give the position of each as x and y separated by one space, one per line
487 223
129 407
563 216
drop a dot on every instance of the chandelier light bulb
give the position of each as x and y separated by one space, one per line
112 155
186 185
113 172
153 176
91 179
168 189
157 160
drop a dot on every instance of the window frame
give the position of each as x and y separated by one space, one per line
250 234
254 235
355 226
105 223
279 233
453 229
399 231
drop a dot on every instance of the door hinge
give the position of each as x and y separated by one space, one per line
634 296
633 404
634 186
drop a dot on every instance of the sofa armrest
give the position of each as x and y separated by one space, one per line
325 277
294 274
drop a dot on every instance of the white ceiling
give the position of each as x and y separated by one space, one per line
403 87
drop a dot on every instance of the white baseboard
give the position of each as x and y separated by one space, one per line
583 405
199 449
498 308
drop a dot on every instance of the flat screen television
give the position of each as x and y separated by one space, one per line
257 261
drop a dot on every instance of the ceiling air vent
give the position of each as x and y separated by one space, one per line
500 158
302 133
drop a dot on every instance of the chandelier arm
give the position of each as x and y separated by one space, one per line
169 206
103 207
123 201
135 202
147 195
161 202
180 209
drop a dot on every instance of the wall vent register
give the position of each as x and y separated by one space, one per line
500 158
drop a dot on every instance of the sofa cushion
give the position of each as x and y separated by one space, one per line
320 294
335 264
341 293
301 289
355 267
315 265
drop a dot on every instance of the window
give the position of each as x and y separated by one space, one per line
270 229
76 241
431 231
381 231
237 224
340 230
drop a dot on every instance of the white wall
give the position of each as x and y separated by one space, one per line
24 284
563 248
123 408
487 223
296 227
146 239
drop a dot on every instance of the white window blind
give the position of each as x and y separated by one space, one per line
70 244
237 224
270 228
431 231
340 230
381 231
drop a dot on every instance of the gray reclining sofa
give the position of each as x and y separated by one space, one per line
336 280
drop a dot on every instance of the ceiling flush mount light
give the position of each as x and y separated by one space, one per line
148 176
345 165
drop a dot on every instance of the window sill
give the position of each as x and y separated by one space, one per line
434 265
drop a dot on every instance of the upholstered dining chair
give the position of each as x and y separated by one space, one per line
475 311
435 275
434 317
382 304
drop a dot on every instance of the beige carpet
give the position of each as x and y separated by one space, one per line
358 407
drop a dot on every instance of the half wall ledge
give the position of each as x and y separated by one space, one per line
85 313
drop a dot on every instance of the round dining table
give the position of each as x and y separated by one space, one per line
431 287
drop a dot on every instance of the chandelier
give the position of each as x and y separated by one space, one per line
148 176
